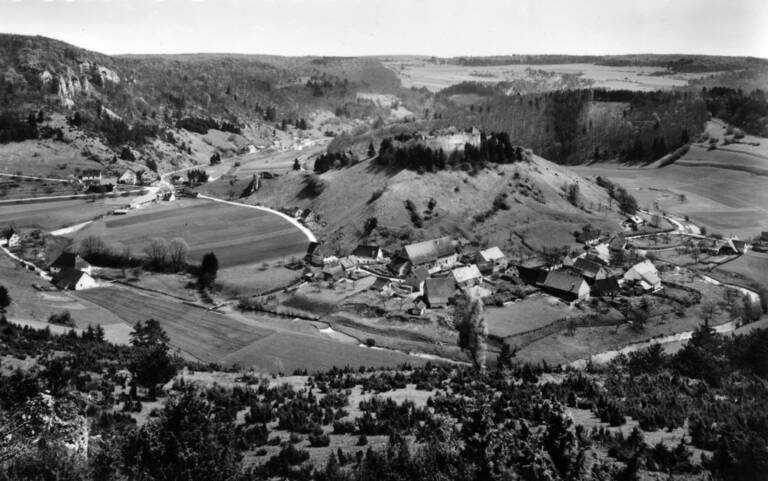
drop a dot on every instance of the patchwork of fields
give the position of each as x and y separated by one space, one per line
212 337
436 77
205 335
723 200
237 235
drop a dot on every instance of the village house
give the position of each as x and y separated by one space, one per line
333 273
601 253
467 276
367 254
645 274
590 269
416 278
436 254
73 279
618 243
633 222
70 260
129 177
399 266
12 240
565 285
493 256
589 236
438 291
729 247
742 247
90 176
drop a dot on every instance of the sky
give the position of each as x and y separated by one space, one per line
381 27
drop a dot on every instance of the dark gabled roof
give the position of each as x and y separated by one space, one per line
397 263
439 289
563 281
379 283
366 251
90 173
69 260
67 278
618 243
417 276
609 285
587 267
429 251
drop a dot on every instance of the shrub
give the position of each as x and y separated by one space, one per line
319 440
63 318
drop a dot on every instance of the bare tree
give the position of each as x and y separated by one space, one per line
92 245
157 251
177 253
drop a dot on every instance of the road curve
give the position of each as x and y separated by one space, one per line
308 233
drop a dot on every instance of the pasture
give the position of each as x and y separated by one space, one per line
59 213
435 77
286 352
525 315
744 270
237 235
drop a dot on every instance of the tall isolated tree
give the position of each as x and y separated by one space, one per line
469 320
151 365
209 267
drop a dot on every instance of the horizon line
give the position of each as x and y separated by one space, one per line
376 55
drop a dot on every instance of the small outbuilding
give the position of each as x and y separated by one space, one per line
438 291
369 253
590 269
467 276
494 256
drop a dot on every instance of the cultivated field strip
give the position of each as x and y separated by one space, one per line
205 335
52 215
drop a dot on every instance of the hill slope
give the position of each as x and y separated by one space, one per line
509 205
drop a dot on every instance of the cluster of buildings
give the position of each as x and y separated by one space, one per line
432 272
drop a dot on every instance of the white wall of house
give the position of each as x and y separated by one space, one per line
85 282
